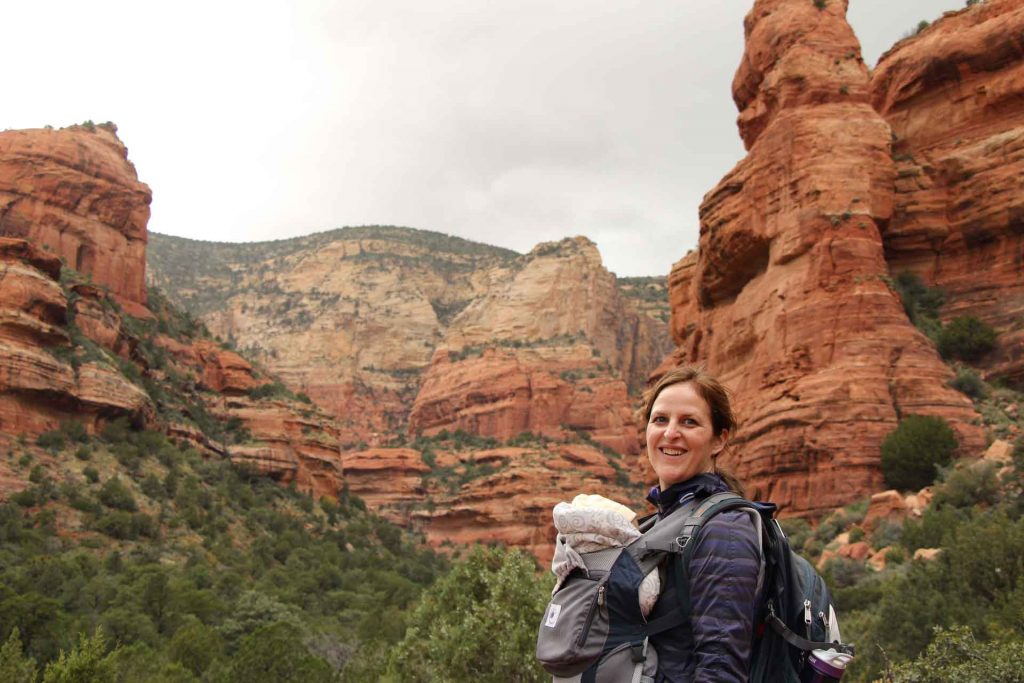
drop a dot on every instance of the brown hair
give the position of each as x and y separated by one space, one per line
714 394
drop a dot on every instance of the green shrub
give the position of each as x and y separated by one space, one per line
886 533
477 623
966 338
965 487
27 498
955 655
968 382
842 572
74 431
933 528
913 451
88 662
91 474
83 452
15 667
37 475
921 303
52 441
116 495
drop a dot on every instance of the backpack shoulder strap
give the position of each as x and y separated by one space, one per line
708 508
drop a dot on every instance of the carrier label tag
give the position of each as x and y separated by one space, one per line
552 617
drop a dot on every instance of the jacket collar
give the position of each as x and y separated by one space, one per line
700 486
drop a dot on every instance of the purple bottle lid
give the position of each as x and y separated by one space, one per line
829 662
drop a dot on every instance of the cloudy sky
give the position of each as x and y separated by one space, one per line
509 122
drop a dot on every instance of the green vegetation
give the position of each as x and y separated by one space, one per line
478 622
913 451
922 303
194 570
966 338
968 382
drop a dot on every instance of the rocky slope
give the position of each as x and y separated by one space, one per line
787 297
461 489
953 96
72 355
400 331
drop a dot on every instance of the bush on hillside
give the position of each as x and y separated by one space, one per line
966 487
913 451
968 382
955 655
966 338
921 302
478 622
976 581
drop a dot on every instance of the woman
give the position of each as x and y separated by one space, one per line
689 421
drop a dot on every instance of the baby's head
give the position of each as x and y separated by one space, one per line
593 501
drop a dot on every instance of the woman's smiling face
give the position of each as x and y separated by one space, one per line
681 439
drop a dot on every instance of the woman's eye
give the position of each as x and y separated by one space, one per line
659 419
689 422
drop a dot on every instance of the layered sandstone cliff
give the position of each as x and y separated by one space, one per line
953 96
43 379
552 346
457 494
74 191
400 331
787 298
71 354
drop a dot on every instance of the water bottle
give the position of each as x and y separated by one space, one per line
824 666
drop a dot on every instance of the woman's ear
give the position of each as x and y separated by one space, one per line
722 439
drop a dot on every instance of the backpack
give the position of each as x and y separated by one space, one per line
593 630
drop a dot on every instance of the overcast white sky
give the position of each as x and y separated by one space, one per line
505 122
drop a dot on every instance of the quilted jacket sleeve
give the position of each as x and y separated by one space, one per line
724 573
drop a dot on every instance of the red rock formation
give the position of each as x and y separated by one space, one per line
954 97
786 298
288 444
390 480
39 385
224 371
562 344
543 390
74 192
500 495
513 505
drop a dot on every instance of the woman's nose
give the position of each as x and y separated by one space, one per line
672 429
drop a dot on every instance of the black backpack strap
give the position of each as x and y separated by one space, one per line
708 508
803 644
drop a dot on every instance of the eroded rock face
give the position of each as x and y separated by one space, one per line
39 385
399 331
787 297
75 192
552 346
288 444
547 390
954 98
502 495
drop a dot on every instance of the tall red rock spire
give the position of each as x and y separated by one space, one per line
788 298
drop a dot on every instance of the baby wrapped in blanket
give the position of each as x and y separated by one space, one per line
590 523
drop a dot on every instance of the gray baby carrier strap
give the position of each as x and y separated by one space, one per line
593 630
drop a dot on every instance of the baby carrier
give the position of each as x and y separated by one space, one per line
593 630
